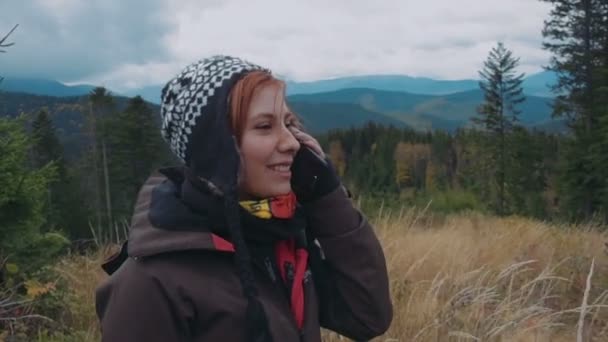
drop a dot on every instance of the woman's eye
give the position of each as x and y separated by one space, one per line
263 126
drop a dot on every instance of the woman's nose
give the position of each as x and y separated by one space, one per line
288 141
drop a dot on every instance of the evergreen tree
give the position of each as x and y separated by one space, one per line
63 205
576 33
503 92
472 165
102 107
137 149
528 179
443 156
46 145
23 192
46 150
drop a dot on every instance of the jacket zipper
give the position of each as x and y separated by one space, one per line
286 300
270 269
290 274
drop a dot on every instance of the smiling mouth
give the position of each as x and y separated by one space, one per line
280 168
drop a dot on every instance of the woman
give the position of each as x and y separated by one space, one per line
253 238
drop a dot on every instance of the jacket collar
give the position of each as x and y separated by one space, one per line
173 214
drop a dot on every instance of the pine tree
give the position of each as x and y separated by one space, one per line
22 197
137 148
576 33
528 179
47 147
102 107
472 170
46 150
63 206
503 92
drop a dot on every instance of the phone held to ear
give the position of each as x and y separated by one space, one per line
306 152
307 169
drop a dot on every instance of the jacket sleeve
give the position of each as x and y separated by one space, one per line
351 278
134 306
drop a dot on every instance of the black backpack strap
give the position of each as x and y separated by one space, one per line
111 264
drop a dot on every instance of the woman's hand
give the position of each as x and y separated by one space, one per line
307 140
313 175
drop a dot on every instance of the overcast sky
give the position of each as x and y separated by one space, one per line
125 44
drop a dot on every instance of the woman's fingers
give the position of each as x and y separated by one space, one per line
308 140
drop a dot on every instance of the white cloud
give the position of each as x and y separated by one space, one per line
307 40
319 39
72 39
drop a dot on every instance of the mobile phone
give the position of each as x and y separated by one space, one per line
307 153
306 168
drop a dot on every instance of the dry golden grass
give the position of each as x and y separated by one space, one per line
477 278
461 278
82 275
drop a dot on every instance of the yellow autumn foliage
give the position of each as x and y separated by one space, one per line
36 289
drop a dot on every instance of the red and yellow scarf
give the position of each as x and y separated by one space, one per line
292 260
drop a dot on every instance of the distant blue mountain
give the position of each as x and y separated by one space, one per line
535 84
321 117
43 87
446 112
416 85
421 103
318 118
540 84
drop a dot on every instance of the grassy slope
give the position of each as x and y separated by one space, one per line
463 275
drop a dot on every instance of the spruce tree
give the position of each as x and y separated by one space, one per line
63 204
46 150
498 114
22 197
137 149
576 34
102 107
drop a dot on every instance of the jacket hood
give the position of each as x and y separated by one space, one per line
163 223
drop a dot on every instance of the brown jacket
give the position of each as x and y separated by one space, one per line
182 285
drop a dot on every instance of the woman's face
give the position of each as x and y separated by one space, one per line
267 145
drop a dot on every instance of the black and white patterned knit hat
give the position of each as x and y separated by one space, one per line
191 95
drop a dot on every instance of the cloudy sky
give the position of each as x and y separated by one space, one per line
126 44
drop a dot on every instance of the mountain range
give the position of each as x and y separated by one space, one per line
426 112
402 101
537 84
43 87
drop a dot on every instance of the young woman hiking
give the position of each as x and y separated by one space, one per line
253 238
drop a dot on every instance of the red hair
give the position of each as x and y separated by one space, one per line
242 94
